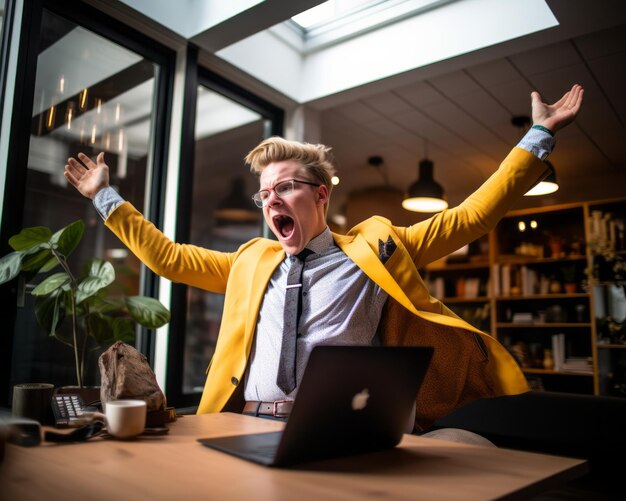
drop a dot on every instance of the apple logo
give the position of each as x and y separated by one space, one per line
359 401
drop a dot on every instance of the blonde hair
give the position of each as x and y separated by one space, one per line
316 159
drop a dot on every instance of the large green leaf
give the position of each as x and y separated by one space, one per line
66 239
52 263
10 266
29 237
49 311
35 261
100 304
97 275
51 284
123 330
147 311
100 327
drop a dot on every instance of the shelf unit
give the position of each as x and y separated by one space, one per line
539 284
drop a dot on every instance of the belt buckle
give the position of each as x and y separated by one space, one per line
275 412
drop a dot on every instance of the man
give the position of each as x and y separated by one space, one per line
361 288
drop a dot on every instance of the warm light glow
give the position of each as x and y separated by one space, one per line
50 118
62 84
424 204
118 112
98 106
543 188
534 224
69 114
521 226
120 140
93 134
334 180
107 141
82 133
82 99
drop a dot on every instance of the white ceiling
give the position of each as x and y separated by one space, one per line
462 107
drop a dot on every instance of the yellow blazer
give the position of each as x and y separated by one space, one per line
468 363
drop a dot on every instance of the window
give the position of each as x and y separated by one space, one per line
91 95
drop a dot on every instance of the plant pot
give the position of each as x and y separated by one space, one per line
32 400
570 288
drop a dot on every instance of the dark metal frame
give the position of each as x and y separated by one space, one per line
195 76
17 158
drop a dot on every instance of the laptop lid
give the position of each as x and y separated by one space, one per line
352 399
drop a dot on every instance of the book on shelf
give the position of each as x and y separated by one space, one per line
558 351
563 363
579 365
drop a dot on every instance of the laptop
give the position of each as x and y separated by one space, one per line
352 400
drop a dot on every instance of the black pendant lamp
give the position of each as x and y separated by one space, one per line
425 194
237 206
547 186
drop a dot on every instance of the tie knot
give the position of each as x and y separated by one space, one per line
304 253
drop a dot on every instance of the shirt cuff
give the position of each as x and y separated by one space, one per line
537 142
106 201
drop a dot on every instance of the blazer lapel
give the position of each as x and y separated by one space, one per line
261 275
359 251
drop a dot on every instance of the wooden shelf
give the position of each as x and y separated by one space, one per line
556 373
505 269
456 299
557 325
476 265
517 259
584 295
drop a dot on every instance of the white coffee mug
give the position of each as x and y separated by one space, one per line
125 418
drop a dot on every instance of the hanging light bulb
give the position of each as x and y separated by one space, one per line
547 186
425 194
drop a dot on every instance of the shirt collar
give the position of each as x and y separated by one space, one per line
321 242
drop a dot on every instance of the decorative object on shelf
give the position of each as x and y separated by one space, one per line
555 243
548 360
83 300
568 273
555 286
611 331
606 237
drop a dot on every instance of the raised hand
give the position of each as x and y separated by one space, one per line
87 176
558 115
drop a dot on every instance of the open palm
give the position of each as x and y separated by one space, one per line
558 115
87 176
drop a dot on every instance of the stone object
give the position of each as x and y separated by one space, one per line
126 374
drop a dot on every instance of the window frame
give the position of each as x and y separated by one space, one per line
196 76
17 155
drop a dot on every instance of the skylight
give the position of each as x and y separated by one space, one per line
329 10
335 21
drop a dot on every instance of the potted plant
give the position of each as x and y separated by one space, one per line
568 272
96 318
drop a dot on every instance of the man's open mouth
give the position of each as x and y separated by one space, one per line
284 225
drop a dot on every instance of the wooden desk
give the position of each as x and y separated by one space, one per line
176 466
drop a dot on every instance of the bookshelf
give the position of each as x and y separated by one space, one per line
548 283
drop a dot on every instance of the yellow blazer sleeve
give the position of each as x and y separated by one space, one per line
450 229
183 263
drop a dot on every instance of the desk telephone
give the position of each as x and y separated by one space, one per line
69 409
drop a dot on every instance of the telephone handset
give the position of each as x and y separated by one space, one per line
69 409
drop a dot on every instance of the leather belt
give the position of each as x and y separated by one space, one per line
279 409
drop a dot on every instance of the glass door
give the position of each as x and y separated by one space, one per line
91 95
228 123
